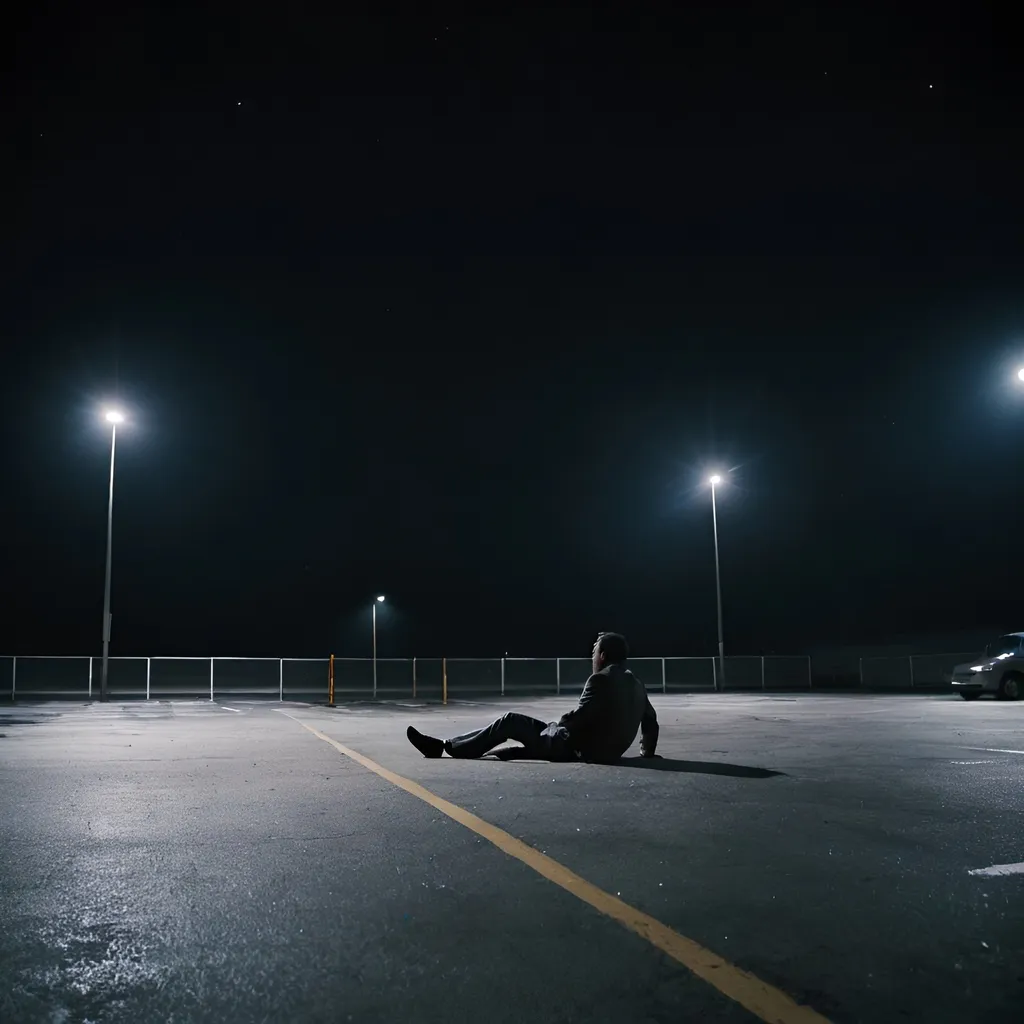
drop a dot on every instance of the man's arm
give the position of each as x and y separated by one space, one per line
583 716
648 730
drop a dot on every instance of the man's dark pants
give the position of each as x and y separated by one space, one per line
545 741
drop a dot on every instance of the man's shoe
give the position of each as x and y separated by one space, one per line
426 745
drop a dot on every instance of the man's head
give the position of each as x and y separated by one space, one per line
610 649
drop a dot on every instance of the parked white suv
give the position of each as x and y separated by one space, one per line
1000 670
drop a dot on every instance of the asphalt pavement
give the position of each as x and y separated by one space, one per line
227 862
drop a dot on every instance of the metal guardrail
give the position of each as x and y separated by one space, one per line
306 679
910 671
69 677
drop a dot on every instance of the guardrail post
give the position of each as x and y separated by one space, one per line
558 677
664 687
280 680
714 675
910 658
14 676
149 662
444 680
762 671
860 670
503 677
211 679
810 675
414 678
90 677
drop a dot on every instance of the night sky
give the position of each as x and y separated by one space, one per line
462 308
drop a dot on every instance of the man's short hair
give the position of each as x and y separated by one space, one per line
613 646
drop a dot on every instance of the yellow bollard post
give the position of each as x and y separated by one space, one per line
330 684
444 680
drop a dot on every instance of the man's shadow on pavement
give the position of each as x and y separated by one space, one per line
657 764
672 764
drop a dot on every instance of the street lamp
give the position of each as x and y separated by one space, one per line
1020 374
715 480
113 417
379 600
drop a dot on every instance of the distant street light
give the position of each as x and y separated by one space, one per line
715 480
380 599
1020 374
113 417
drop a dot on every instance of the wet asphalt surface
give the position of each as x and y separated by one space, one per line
217 862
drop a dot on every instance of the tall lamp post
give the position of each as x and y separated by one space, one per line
379 600
113 417
715 479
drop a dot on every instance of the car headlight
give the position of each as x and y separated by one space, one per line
981 668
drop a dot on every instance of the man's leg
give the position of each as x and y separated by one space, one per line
511 726
475 744
553 744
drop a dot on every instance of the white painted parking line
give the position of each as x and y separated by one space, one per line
995 750
997 870
236 710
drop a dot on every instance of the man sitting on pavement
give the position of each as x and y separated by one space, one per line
602 727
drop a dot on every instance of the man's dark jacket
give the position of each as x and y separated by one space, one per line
612 707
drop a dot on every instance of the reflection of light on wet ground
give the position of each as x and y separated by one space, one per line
100 959
84 972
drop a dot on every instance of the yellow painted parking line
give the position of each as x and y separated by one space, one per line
769 1003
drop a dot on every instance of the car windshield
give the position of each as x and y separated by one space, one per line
1004 645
